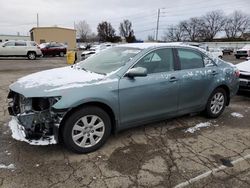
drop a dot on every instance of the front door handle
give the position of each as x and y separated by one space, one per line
173 79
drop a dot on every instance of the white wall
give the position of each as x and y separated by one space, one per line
235 45
4 38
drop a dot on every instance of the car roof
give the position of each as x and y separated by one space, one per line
153 45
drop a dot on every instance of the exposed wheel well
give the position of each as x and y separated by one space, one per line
103 106
227 93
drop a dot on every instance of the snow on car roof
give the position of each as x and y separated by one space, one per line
150 45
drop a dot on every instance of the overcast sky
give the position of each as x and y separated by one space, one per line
20 15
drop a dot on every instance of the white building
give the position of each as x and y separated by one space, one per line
4 38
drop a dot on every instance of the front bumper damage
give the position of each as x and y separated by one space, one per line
33 119
18 133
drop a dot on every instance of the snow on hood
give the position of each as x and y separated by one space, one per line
58 77
244 66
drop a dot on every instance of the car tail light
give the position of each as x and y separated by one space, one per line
237 73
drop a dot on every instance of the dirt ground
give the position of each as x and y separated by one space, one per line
162 154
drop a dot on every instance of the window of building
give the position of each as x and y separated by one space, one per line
42 41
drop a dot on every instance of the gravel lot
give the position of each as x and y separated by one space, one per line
160 154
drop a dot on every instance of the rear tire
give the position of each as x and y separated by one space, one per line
31 55
237 57
86 130
216 103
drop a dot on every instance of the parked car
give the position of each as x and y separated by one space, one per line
227 50
119 88
53 49
84 46
20 48
216 52
95 49
244 68
243 52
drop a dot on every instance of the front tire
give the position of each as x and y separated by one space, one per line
86 130
216 103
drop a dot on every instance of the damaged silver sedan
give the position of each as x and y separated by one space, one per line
118 88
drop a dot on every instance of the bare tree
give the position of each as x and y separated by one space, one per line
236 24
126 31
213 22
83 30
174 34
192 29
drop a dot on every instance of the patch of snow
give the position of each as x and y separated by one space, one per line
19 134
77 85
37 165
198 127
10 166
7 152
237 115
151 44
58 77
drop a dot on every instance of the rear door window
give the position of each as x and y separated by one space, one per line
20 43
190 59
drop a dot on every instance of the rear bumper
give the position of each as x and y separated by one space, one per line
244 84
241 55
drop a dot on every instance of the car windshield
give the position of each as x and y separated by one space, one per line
109 60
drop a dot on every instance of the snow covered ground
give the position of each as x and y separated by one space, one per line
237 115
198 127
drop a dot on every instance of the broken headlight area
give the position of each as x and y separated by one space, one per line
35 114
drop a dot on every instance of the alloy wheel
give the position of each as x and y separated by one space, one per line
88 131
217 103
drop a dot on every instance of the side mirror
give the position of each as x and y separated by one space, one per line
137 72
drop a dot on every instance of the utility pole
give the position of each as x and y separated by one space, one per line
157 24
37 20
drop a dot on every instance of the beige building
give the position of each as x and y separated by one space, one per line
54 34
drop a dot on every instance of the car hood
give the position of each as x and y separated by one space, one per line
244 66
243 49
53 82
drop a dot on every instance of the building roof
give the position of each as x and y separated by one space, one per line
53 27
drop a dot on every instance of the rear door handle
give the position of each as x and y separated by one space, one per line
214 72
173 79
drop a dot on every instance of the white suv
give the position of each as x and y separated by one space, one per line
20 49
